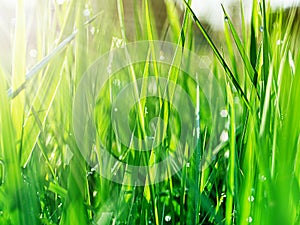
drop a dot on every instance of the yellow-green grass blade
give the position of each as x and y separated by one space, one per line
19 70
18 201
44 95
231 178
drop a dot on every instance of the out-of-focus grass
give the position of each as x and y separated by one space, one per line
254 177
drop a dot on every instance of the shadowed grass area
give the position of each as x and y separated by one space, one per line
245 163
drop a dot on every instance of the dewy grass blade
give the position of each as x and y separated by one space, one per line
266 51
254 176
19 69
44 96
251 71
173 17
19 202
231 189
44 62
231 53
219 57
248 169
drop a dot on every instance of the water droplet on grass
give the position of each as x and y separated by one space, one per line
86 12
226 154
226 18
249 219
33 53
261 29
224 113
251 198
92 30
278 42
168 218
224 136
262 178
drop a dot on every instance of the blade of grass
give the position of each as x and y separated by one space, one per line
251 71
19 201
18 70
219 57
45 61
231 189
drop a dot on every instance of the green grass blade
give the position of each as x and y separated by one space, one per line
231 189
219 57
251 71
19 69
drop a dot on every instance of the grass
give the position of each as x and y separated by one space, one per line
253 176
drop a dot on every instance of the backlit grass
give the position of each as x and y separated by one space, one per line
253 141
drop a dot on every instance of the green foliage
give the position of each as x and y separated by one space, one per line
254 175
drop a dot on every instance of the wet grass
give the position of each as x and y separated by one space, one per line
252 141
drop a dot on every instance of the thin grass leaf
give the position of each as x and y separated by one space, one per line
18 70
251 71
219 57
231 188
46 60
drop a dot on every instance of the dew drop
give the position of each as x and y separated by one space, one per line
86 12
262 178
33 53
251 198
95 193
249 219
188 164
116 109
92 30
278 42
261 29
224 136
224 113
168 218
226 154
226 18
